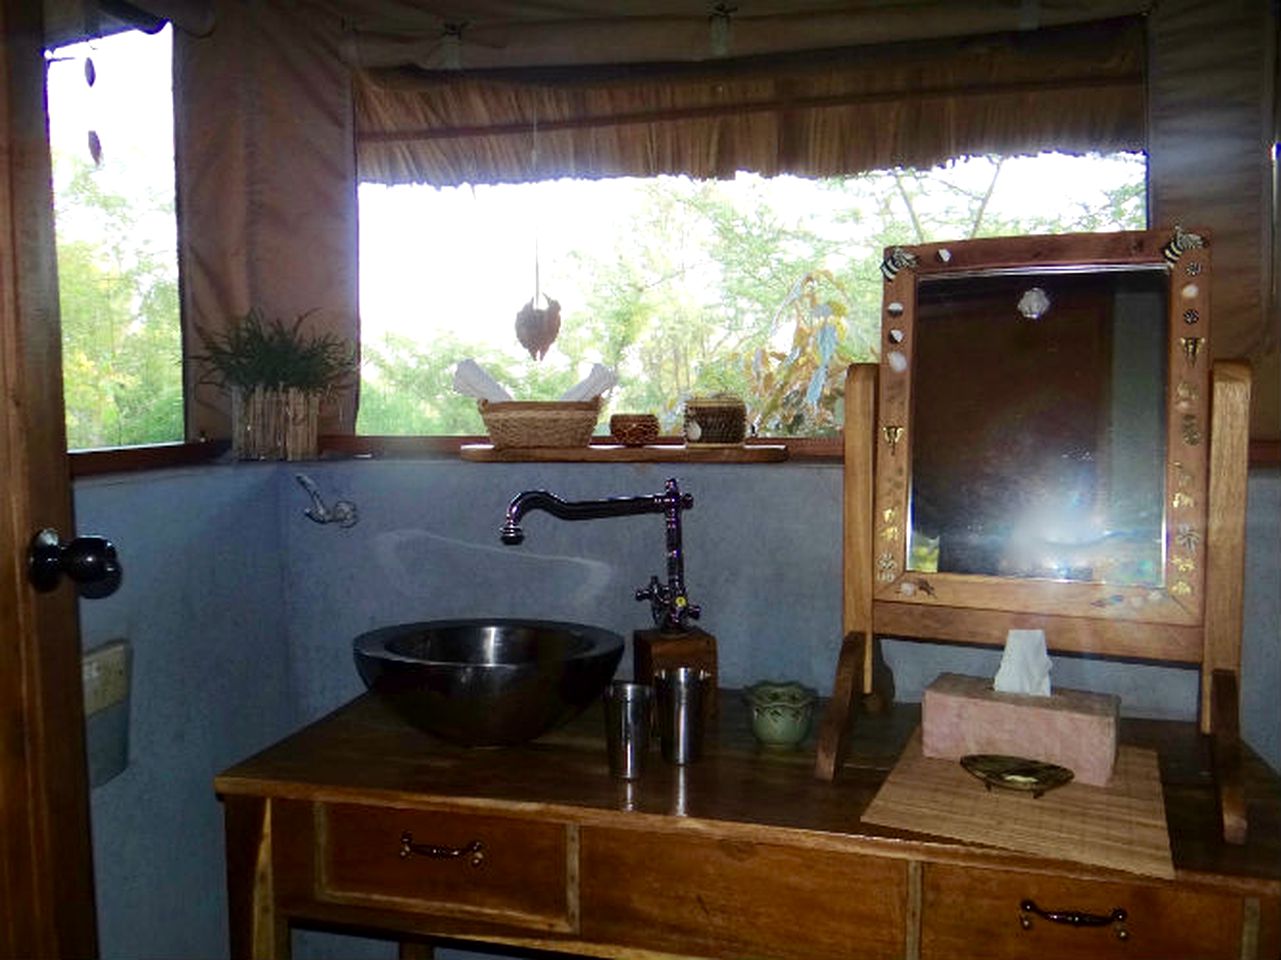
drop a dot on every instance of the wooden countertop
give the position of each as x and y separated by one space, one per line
364 753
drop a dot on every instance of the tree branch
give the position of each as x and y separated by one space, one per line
978 216
911 211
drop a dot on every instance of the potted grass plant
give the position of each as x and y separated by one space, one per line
278 374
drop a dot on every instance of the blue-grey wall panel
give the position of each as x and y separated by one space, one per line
1261 644
200 602
762 558
242 612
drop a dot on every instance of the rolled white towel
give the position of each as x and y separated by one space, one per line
600 379
470 379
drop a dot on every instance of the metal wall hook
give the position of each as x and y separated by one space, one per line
343 512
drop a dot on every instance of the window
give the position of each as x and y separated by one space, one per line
766 288
111 135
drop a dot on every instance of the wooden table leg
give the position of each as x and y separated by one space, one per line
257 932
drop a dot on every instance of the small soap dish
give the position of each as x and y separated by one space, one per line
1016 773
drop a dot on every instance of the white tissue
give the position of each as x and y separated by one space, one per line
471 380
600 379
1025 666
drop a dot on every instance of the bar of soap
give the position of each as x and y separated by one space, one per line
1073 728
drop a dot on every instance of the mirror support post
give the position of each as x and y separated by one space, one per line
1225 526
1225 587
854 665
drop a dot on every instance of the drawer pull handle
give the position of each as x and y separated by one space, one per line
1074 918
474 851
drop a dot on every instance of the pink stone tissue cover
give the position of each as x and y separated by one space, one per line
1073 728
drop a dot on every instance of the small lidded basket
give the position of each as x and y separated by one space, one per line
781 712
718 419
634 429
536 423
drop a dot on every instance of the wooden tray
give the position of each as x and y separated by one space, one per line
1121 826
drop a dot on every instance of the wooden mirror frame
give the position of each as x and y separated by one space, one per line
1207 442
1162 622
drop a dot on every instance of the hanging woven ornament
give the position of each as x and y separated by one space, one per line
537 326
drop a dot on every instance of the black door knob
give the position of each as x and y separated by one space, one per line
89 561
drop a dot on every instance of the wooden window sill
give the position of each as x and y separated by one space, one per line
159 456
88 463
478 449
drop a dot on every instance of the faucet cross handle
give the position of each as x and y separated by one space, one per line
671 608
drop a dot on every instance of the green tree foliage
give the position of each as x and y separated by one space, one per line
708 291
121 338
408 388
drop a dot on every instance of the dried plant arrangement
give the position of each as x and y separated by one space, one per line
256 352
278 373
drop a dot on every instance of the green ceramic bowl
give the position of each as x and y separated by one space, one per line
781 712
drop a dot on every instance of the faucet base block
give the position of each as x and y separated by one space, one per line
659 649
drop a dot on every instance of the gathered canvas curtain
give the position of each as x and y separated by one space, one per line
817 113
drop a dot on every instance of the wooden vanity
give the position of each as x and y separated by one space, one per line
362 823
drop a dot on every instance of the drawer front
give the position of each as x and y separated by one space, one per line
511 871
719 898
973 912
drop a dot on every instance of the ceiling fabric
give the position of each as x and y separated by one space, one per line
71 21
500 34
817 113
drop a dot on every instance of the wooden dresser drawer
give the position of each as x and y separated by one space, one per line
970 912
506 870
719 898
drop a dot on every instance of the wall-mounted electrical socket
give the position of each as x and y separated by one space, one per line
106 676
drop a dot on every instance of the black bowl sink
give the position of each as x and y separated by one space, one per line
488 682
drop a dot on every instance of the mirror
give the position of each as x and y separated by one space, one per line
1038 441
1041 412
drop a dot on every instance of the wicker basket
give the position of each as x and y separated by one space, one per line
634 429
719 419
536 423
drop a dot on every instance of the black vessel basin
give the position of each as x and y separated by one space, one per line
488 682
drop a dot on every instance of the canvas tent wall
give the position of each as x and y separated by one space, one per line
283 105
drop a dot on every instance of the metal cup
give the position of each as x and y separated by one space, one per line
627 723
680 692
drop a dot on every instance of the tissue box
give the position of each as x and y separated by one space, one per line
1073 728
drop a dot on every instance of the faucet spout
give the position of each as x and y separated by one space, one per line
669 603
532 500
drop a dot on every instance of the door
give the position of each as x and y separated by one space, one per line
46 877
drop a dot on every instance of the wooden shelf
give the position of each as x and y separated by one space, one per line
616 453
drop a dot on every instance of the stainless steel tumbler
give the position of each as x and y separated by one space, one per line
679 693
627 723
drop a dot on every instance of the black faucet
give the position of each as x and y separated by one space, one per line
669 603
